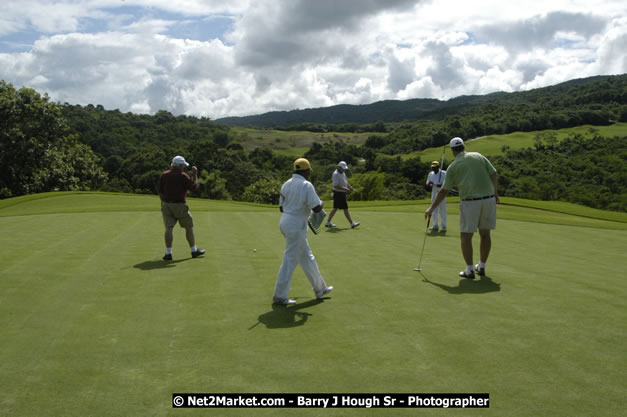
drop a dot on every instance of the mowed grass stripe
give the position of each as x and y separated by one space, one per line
549 212
110 320
549 315
511 208
65 278
93 202
570 275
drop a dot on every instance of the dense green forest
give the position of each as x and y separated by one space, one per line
589 170
417 124
37 150
47 146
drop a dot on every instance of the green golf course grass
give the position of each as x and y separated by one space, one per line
292 143
93 323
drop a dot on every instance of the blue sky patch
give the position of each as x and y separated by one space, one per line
200 28
18 42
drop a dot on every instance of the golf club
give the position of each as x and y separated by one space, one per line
429 219
423 246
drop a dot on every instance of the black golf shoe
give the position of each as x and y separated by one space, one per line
480 271
198 253
466 274
167 257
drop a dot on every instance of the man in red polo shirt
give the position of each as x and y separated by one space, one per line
173 186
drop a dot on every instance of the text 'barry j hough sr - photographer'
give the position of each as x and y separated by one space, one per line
330 400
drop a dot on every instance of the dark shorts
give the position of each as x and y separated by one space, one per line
339 200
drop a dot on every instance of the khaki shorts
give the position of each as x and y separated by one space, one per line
173 212
475 214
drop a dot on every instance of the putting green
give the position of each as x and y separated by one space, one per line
92 322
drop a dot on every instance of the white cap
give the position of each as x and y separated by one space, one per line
179 160
456 142
343 165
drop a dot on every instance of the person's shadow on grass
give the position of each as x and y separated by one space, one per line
468 286
336 229
158 264
282 316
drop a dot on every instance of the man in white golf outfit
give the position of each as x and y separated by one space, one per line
298 199
435 180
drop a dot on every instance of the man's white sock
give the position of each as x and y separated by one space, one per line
469 268
482 265
168 251
194 248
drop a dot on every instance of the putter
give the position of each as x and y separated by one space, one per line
423 246
429 219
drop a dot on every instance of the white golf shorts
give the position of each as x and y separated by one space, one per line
477 214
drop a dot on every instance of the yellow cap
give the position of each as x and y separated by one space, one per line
301 164
435 164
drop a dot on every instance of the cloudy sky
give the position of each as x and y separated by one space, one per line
218 58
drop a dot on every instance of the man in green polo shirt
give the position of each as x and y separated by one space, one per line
476 180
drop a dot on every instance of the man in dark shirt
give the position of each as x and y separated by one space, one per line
173 186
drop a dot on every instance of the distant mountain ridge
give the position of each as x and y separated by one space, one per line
398 110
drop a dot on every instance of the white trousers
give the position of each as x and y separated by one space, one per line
441 209
297 251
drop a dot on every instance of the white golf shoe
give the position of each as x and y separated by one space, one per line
324 292
283 301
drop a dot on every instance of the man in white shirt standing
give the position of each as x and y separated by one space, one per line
435 180
298 199
340 188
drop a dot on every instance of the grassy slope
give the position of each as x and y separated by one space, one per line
96 324
292 143
295 144
491 145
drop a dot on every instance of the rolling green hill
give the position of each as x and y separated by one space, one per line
493 144
598 89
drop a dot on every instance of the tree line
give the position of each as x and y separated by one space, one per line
47 146
585 169
595 100
417 124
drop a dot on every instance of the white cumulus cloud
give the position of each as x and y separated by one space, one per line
214 58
